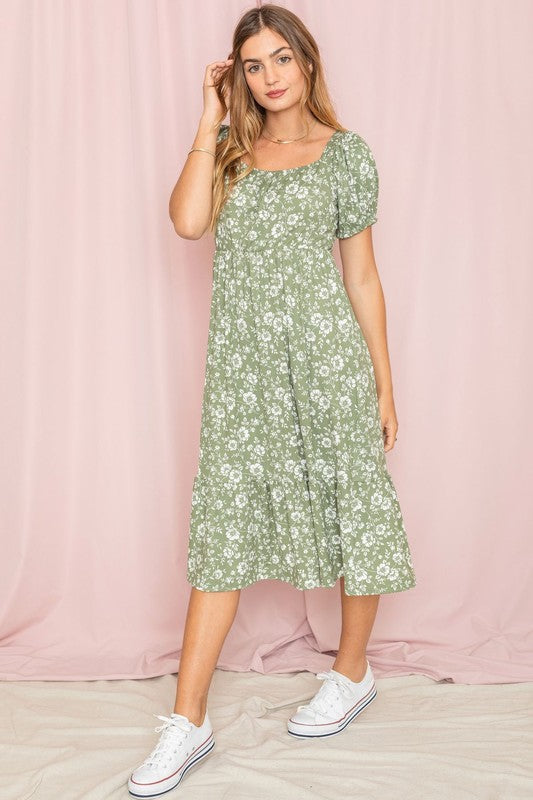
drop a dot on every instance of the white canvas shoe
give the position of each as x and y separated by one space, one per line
182 745
338 701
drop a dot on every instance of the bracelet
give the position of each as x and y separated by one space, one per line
202 148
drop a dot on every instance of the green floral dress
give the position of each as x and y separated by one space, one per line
292 482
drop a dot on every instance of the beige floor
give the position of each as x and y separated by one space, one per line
418 739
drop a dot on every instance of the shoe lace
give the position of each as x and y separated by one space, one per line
174 732
329 696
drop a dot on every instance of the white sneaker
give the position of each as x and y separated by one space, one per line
181 746
338 701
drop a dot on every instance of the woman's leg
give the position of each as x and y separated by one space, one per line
209 618
358 615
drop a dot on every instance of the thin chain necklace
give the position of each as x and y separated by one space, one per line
287 141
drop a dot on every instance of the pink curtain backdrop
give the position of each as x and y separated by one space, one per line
104 320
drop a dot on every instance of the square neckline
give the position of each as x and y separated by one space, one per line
302 166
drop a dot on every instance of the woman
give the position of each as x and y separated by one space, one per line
298 407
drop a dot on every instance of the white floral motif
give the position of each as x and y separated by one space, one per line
292 480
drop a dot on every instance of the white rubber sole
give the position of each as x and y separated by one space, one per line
320 731
162 787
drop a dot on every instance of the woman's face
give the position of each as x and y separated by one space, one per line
267 70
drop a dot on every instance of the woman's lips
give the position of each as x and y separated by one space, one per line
276 94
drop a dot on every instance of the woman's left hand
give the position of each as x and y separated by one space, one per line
389 421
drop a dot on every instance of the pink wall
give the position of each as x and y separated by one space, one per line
104 315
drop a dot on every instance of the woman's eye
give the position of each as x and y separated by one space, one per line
252 68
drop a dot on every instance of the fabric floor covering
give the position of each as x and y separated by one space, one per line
418 739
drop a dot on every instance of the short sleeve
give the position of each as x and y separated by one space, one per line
223 133
357 186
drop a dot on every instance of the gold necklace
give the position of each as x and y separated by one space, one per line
287 141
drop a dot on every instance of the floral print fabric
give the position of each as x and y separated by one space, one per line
292 482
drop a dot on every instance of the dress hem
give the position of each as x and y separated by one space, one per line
401 588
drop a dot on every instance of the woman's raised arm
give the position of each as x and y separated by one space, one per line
191 199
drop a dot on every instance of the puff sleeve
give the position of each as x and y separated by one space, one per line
357 186
223 133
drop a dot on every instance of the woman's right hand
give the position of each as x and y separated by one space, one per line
216 91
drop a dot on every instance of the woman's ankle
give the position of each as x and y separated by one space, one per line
353 669
194 714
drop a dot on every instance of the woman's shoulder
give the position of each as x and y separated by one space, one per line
352 138
354 148
223 132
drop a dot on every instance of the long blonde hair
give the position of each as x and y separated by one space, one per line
247 116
